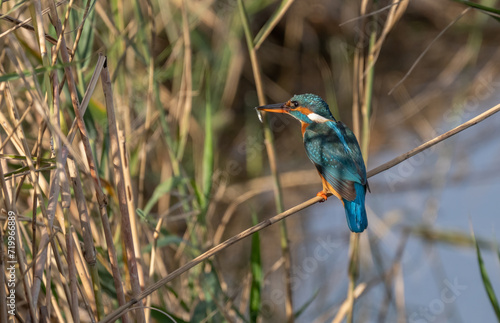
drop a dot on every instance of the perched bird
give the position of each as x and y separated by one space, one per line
334 150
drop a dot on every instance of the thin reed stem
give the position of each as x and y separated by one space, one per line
120 187
271 153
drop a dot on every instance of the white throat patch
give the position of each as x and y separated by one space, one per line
317 118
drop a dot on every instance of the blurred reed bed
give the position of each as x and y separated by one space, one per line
124 167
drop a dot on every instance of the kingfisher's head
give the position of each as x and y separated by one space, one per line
307 108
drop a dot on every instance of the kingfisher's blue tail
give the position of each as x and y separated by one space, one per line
355 211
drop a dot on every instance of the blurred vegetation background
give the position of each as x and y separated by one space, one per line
197 166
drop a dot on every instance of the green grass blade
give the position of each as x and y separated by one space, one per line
85 47
498 251
245 24
26 169
272 22
33 158
208 152
492 12
159 315
256 270
166 239
14 8
161 189
39 70
486 281
200 199
306 304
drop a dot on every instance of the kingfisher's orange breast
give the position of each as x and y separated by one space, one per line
304 126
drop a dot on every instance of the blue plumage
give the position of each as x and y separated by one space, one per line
355 211
334 150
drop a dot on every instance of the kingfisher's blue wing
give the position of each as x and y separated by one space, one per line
335 152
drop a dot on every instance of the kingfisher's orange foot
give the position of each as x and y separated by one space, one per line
322 195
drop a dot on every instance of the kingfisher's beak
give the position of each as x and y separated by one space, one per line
276 108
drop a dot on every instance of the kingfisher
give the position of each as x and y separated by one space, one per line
332 147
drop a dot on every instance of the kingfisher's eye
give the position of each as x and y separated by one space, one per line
295 103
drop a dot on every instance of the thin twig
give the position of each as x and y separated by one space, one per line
153 287
427 49
25 24
271 23
369 14
434 141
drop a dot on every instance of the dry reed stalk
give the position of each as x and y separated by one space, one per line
73 283
36 14
271 153
38 102
65 204
14 114
129 194
88 242
49 212
120 186
149 107
12 130
396 11
82 271
153 257
434 141
8 208
72 52
28 281
101 198
182 114
365 287
90 299
419 58
24 24
147 130
147 124
399 290
359 102
34 230
363 93
48 293
63 277
32 299
80 29
52 8
185 103
83 105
